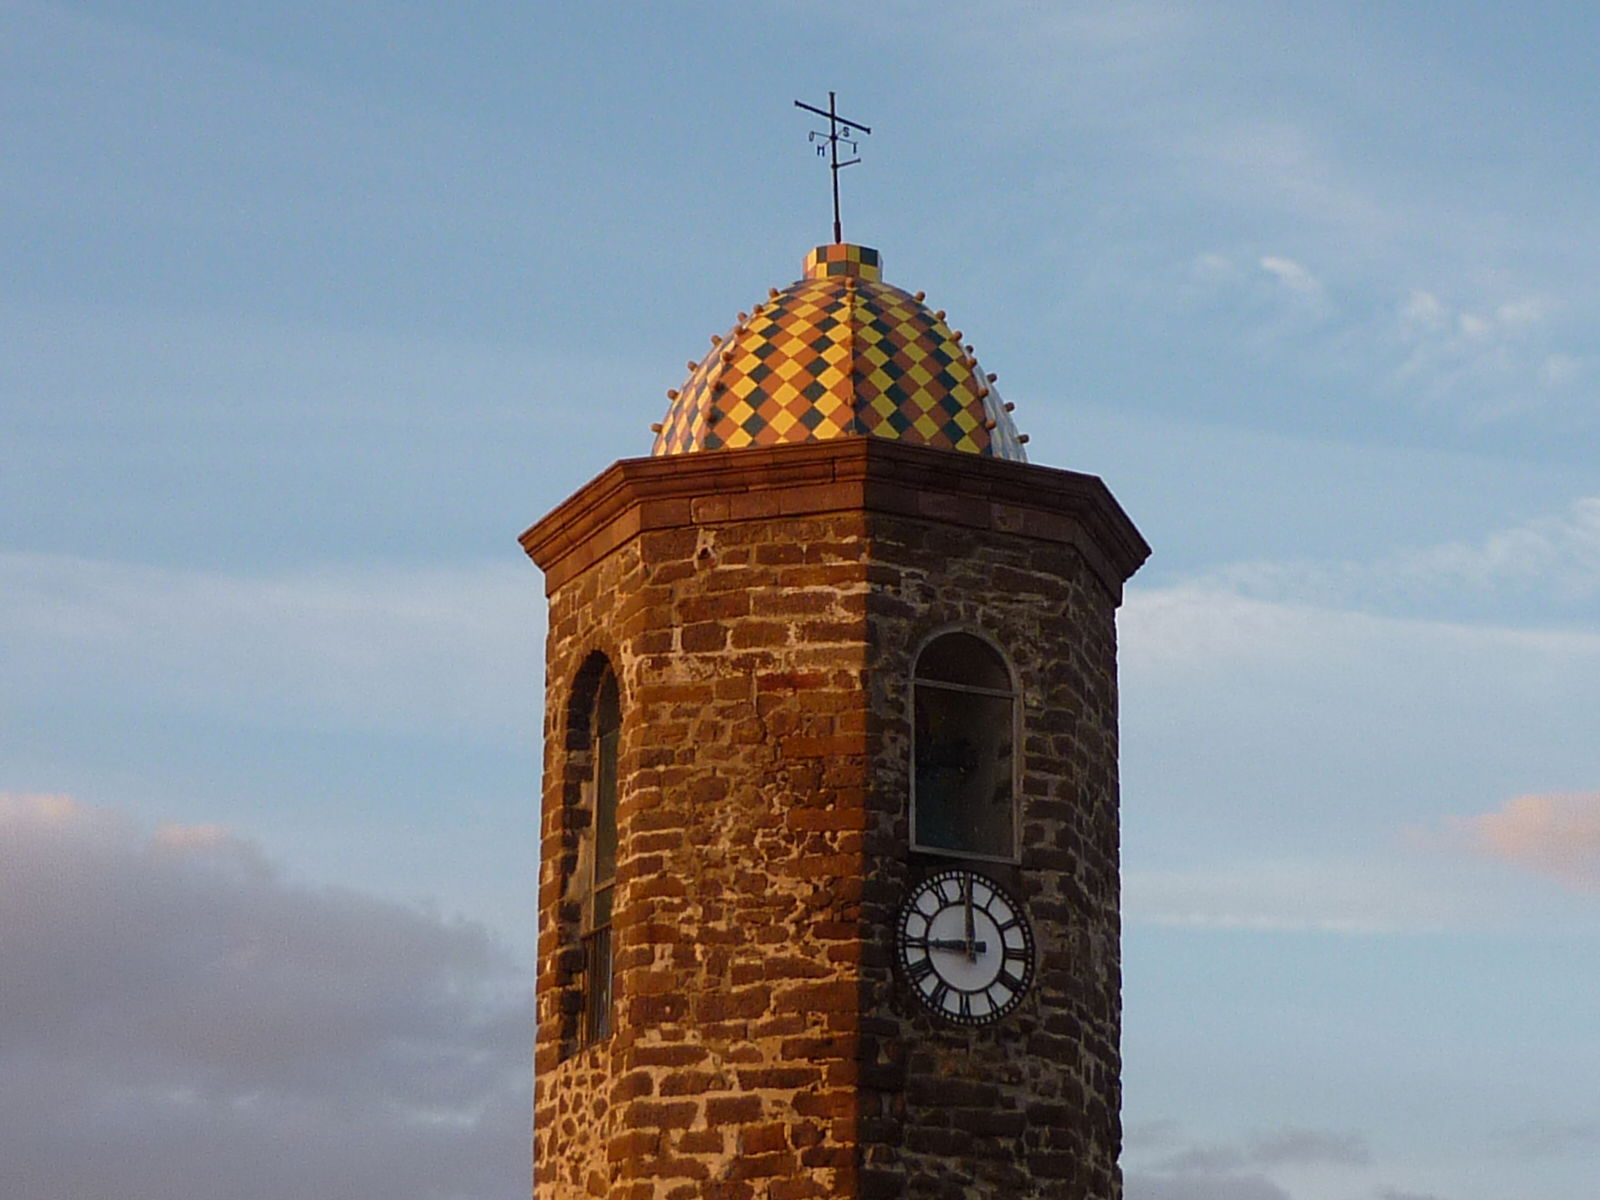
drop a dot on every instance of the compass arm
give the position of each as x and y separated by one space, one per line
822 112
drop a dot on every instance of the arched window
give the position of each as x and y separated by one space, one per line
964 736
600 857
590 784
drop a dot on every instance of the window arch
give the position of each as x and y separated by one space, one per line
963 748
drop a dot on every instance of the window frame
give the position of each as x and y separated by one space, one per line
598 795
597 980
1013 694
595 721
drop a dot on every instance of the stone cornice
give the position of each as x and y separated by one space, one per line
635 495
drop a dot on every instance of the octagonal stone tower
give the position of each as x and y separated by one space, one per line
831 724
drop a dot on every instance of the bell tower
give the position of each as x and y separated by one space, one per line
828 895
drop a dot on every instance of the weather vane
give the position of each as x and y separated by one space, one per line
827 144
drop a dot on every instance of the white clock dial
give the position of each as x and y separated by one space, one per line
965 947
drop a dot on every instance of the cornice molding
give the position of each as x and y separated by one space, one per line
874 475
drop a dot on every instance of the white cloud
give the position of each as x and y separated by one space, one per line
1292 276
1213 268
1560 370
1280 293
1559 553
1288 168
1490 362
444 650
174 1012
1381 893
1252 614
1528 311
1424 311
1278 757
1551 558
153 374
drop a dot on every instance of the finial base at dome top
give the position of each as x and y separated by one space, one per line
843 258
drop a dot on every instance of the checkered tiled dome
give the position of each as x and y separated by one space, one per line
839 353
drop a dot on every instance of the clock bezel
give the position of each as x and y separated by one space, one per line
925 1000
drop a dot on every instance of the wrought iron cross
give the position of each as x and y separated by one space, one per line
839 130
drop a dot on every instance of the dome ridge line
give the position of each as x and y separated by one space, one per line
858 427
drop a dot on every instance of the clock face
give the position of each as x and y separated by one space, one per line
965 947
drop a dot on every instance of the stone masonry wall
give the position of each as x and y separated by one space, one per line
762 622
1029 1107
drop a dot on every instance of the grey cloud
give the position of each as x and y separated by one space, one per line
1202 1187
1149 1134
176 1020
1204 1160
1544 1139
1232 1171
1308 1146
1281 1147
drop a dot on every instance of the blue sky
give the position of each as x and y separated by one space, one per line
306 311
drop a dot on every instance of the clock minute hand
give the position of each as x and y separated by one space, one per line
971 948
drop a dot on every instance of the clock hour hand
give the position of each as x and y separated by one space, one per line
959 945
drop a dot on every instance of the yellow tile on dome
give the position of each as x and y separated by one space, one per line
880 380
834 406
832 376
